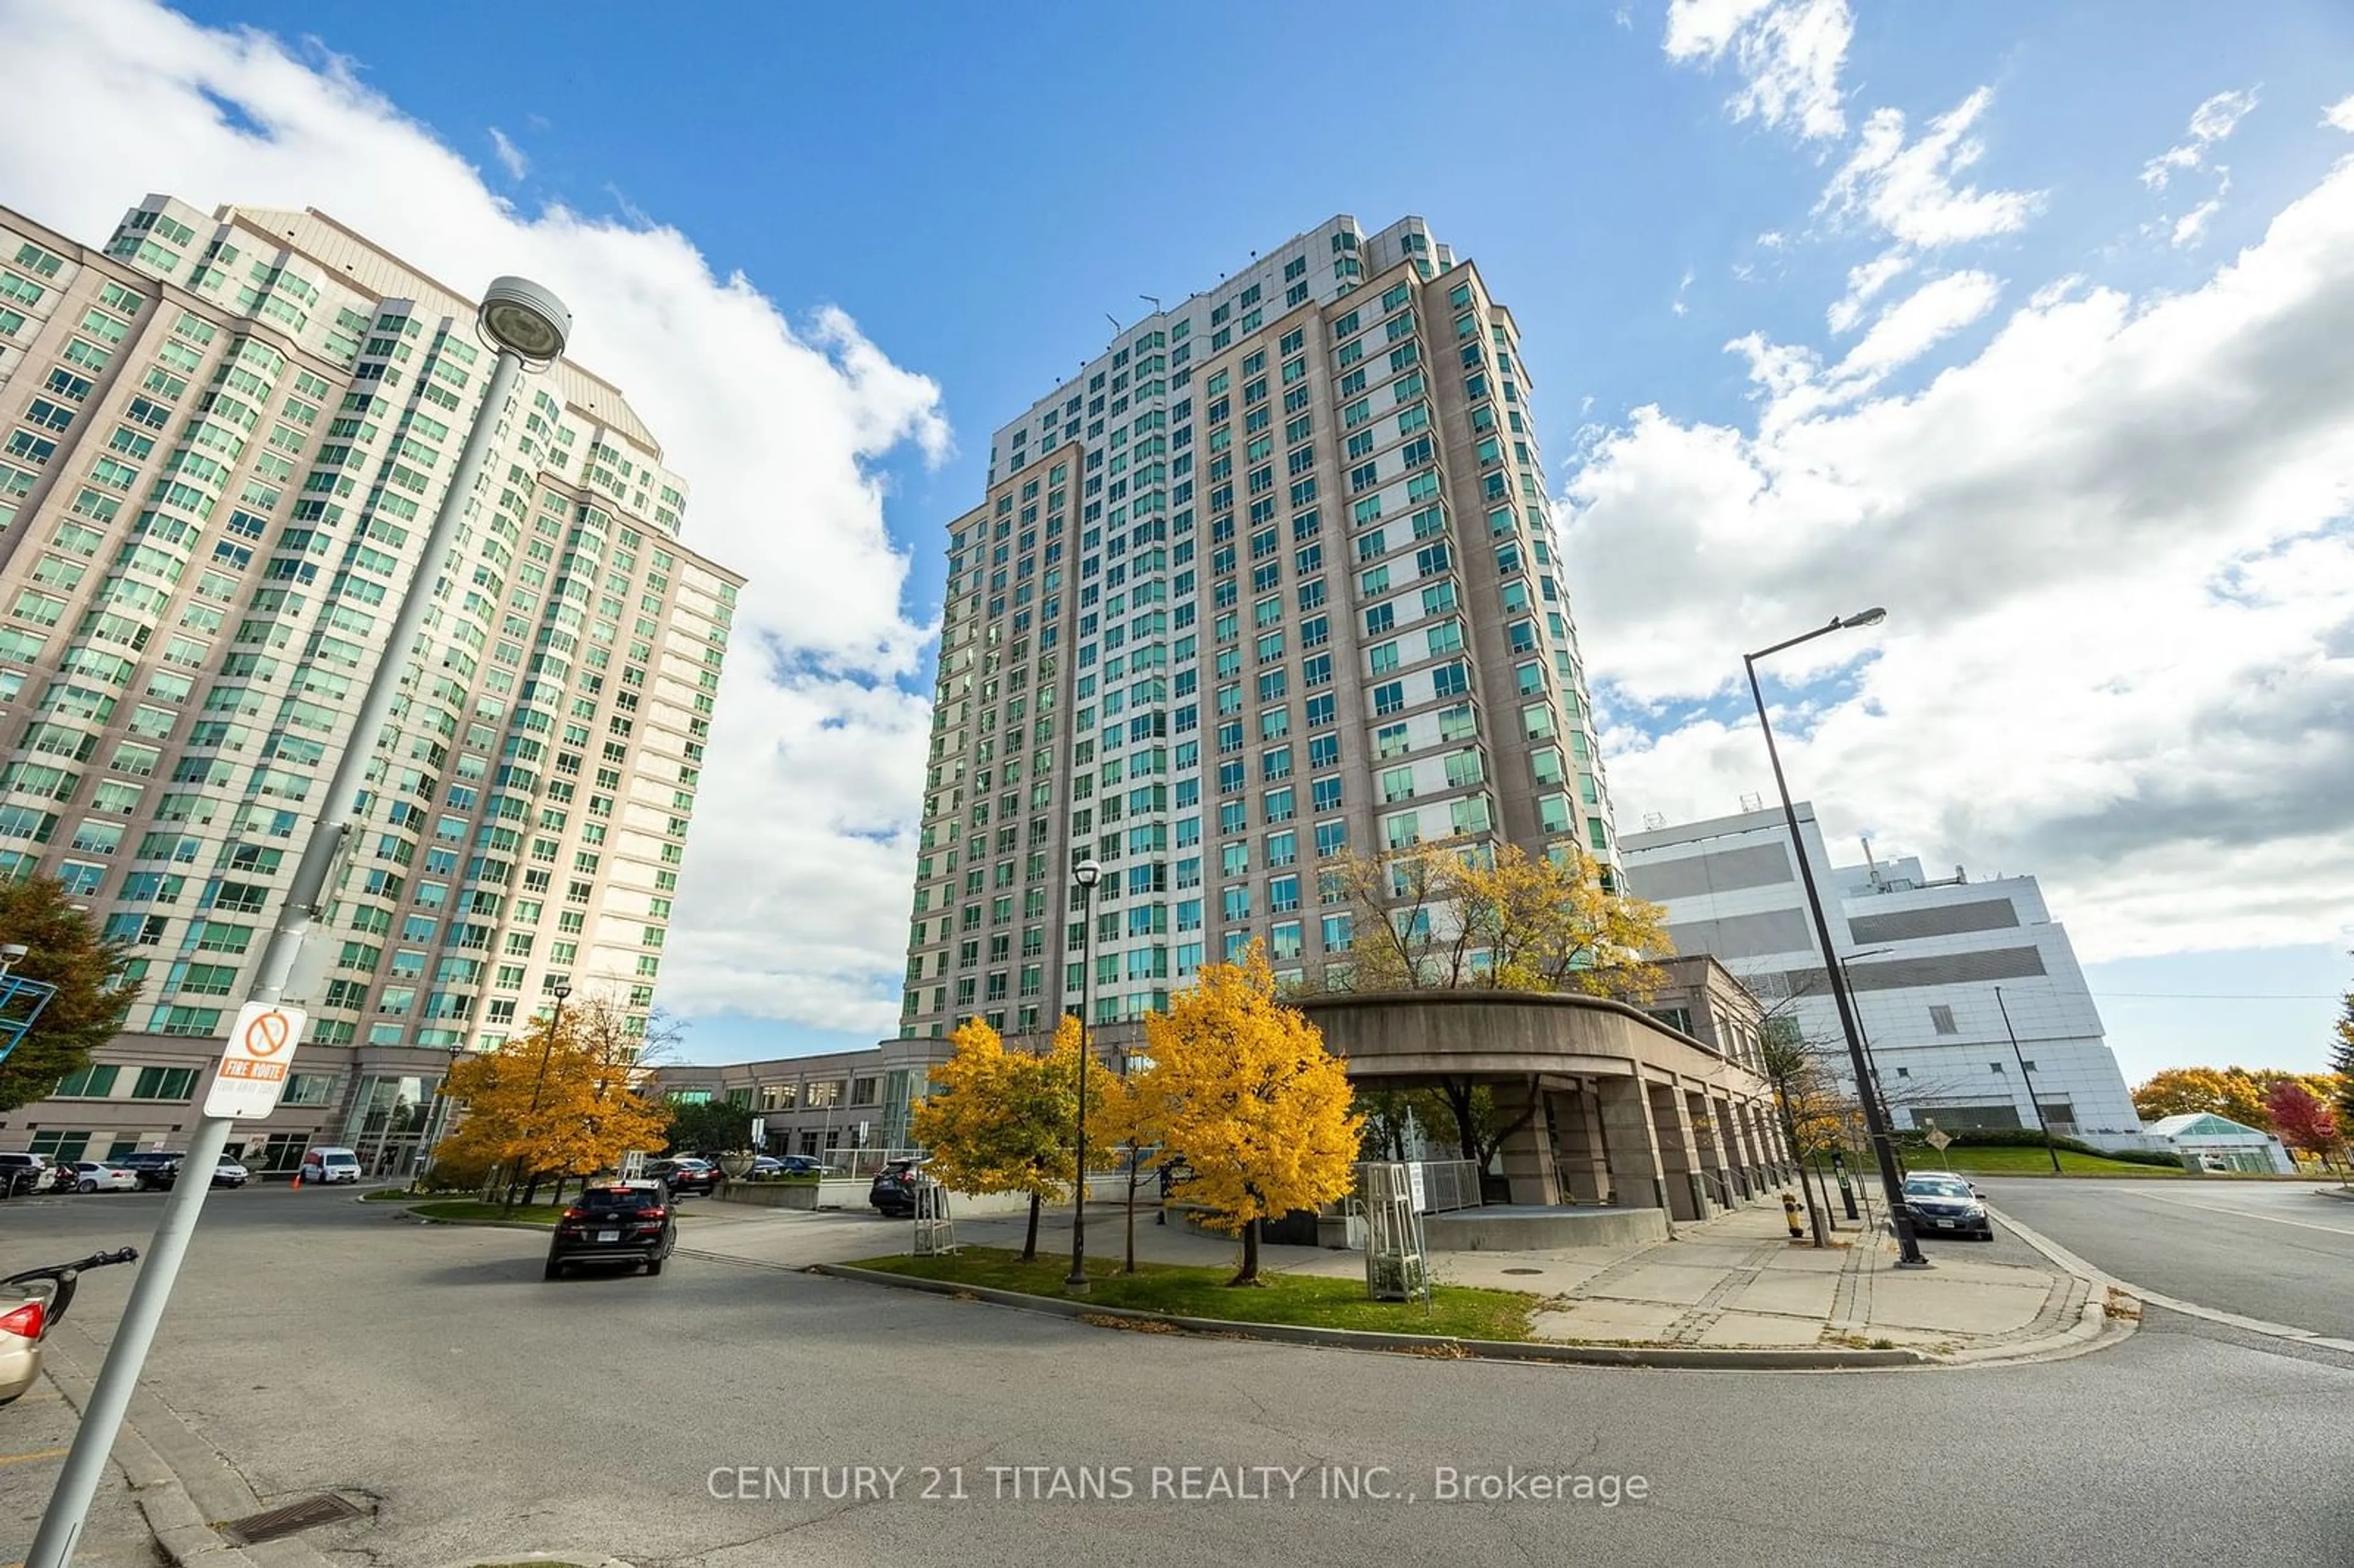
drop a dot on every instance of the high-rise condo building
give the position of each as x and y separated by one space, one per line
1272 580
225 437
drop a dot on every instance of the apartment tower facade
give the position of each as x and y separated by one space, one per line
225 437
1272 580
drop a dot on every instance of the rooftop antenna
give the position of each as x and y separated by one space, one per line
1878 885
1115 322
1152 300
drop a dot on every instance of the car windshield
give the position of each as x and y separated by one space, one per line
1931 1187
618 1200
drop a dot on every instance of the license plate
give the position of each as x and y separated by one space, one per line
1946 1224
616 1236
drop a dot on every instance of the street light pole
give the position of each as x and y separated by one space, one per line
1086 874
2028 1078
1876 1119
526 324
559 990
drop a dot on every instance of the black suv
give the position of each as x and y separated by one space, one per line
686 1173
614 1221
893 1193
156 1167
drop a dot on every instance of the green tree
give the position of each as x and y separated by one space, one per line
2341 1061
63 948
713 1125
1001 1121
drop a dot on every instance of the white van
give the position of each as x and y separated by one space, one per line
330 1165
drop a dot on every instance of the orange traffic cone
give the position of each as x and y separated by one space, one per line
298 1182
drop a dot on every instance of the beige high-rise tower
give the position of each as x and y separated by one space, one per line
1272 580
224 436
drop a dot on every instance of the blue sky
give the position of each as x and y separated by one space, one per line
976 187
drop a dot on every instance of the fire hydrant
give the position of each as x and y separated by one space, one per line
1790 1214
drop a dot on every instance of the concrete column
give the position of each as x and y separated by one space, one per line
1732 1147
1624 1111
1746 1163
1762 1124
1527 1154
1678 1157
1581 1162
1710 1141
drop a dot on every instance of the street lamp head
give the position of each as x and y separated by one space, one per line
1872 617
561 990
520 315
1086 874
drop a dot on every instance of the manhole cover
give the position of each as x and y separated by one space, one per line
1524 1271
271 1523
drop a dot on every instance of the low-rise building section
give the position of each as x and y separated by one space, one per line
1945 972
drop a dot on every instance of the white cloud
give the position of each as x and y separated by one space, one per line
2210 123
795 889
511 157
2193 223
1909 189
2114 546
1864 283
1678 305
1788 54
2340 114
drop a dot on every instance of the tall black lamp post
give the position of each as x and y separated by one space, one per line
2028 1077
1086 874
559 990
1875 1118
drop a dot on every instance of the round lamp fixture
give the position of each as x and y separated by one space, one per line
520 315
1086 873
560 989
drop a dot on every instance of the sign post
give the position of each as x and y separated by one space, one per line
252 1074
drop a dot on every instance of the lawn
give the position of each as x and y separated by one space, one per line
474 1209
2002 1160
1457 1311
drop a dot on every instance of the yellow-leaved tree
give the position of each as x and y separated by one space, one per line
1243 1091
1457 913
558 1100
1002 1121
1119 1116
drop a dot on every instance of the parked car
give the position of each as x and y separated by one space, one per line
24 1173
157 1167
31 1304
229 1173
96 1176
615 1222
327 1165
686 1173
1938 1203
804 1165
895 1187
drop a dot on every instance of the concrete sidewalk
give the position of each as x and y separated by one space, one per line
1734 1281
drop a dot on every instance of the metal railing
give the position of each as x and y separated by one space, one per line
1446 1185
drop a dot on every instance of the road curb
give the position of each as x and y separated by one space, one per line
2075 1264
168 1490
1658 1357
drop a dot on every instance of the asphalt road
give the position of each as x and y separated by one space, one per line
322 1344
2270 1250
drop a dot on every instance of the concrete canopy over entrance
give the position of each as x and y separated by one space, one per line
1622 1109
